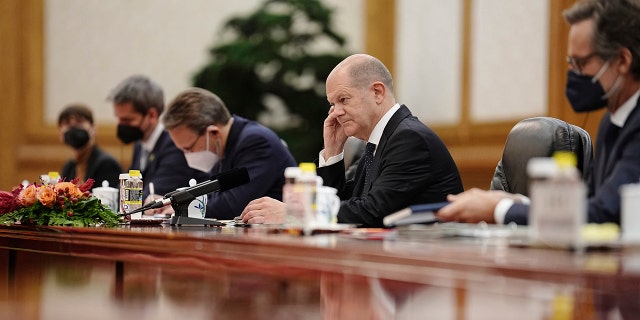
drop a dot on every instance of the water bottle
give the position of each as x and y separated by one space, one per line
294 212
52 177
133 192
299 193
306 184
558 200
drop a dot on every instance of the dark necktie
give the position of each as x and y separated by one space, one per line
368 163
610 138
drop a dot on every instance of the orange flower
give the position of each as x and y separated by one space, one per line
47 196
73 190
27 196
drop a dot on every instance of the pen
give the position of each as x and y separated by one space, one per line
152 193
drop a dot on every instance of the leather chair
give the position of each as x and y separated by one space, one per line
538 137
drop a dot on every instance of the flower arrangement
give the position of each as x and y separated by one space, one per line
65 203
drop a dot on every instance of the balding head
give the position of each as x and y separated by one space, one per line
362 70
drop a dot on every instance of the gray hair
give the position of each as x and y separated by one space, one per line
366 69
197 109
616 26
141 91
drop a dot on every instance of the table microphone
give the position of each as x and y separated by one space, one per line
224 181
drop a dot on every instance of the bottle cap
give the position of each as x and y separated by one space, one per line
292 172
124 176
134 173
308 167
565 159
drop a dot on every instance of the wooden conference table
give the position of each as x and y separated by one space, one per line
196 272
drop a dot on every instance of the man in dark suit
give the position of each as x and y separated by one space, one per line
214 141
604 71
138 103
407 162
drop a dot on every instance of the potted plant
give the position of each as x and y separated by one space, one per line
271 66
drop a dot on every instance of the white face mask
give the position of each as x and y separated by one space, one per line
202 160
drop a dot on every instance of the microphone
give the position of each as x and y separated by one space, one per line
222 182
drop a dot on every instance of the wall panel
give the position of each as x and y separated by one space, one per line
30 144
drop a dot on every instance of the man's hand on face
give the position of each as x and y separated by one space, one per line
333 133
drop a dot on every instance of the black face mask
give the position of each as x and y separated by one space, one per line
76 137
584 94
128 134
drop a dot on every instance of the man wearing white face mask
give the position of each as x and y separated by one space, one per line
214 141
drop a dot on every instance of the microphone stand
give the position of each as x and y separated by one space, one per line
180 203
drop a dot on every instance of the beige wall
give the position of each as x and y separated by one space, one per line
91 45
468 68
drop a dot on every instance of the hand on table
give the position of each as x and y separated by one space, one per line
264 210
164 210
473 206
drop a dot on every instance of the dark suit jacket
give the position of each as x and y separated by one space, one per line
257 148
166 167
608 172
411 166
101 166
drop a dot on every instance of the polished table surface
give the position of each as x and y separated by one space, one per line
166 272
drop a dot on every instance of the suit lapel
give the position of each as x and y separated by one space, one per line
608 161
391 126
150 168
135 162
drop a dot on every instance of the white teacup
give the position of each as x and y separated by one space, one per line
198 206
327 206
108 196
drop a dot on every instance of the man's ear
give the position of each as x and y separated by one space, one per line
153 112
379 90
626 59
214 130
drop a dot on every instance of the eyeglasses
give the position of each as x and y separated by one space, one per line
577 63
188 149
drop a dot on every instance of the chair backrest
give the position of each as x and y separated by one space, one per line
538 137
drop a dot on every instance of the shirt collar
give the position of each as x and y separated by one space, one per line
619 117
376 134
155 135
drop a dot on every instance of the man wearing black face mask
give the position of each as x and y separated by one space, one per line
138 103
604 71
75 124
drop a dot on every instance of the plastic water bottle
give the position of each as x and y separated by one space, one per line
52 177
299 193
558 200
294 213
306 183
123 207
133 191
